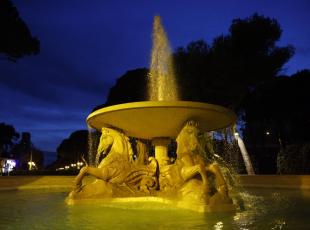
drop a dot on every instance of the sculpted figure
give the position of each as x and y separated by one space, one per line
188 155
116 146
142 153
188 175
117 174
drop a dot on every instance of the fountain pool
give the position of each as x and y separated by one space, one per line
45 209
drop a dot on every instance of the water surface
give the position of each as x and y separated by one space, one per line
45 209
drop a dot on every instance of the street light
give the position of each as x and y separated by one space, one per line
31 164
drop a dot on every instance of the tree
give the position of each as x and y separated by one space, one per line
192 64
24 151
16 40
130 87
21 150
277 116
72 149
282 104
234 64
8 136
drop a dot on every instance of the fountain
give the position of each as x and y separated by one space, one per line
136 189
190 181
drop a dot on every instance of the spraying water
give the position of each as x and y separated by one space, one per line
92 145
245 155
162 85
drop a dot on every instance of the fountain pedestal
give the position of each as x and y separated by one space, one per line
161 150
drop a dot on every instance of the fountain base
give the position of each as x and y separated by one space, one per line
202 208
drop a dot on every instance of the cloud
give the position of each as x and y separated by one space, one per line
43 78
49 122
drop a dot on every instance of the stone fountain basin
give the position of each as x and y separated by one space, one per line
39 201
152 119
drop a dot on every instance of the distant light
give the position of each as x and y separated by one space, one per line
67 167
79 164
267 132
31 164
10 164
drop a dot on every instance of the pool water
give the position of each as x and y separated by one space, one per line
46 209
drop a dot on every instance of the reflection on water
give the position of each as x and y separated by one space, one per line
45 209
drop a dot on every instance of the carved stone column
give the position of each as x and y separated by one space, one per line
161 150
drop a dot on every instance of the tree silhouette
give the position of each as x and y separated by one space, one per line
70 150
24 151
8 136
280 106
277 116
234 64
16 40
130 87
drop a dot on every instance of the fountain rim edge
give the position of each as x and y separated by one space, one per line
164 104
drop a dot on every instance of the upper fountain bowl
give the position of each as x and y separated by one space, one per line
151 119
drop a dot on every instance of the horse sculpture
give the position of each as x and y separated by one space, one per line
118 167
189 169
188 176
120 174
117 149
188 153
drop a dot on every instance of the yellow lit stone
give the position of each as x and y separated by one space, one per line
151 119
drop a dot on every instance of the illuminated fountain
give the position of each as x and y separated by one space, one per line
136 189
190 181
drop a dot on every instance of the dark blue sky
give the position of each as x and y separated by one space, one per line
87 45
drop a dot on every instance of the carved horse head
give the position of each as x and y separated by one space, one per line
113 141
187 139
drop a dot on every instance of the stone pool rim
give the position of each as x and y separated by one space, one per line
301 182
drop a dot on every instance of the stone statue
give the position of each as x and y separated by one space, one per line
117 175
187 177
190 180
